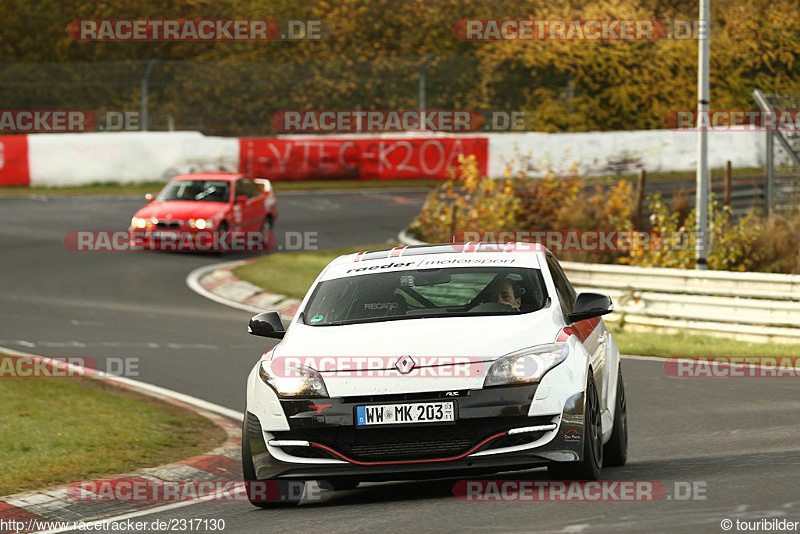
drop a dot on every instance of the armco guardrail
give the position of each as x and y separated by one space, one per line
746 306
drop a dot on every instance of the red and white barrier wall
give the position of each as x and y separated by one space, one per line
128 157
603 153
14 164
359 158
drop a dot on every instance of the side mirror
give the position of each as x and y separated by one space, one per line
267 324
148 197
590 305
241 199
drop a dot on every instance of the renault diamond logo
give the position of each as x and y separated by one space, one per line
405 364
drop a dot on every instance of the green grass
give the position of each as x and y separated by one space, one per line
695 345
91 189
354 184
61 430
292 273
155 187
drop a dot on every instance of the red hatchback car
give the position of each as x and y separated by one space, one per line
201 211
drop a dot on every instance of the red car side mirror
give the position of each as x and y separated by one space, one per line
241 199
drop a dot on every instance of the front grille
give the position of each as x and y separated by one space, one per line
168 224
430 448
410 442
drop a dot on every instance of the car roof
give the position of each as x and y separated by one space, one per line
222 176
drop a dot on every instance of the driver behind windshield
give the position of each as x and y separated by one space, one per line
505 291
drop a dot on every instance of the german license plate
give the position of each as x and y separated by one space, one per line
401 414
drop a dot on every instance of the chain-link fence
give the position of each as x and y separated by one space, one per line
782 181
238 99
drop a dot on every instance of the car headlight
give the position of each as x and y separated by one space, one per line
526 366
138 222
200 224
293 380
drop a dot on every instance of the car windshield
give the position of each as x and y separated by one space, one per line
425 293
208 190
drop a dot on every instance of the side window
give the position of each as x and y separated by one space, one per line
566 293
250 188
239 190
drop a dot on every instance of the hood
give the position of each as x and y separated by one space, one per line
449 353
484 337
182 209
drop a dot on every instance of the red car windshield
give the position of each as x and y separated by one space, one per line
208 190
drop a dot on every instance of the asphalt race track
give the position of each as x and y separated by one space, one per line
737 439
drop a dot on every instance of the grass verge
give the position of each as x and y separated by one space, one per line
292 273
91 189
60 430
695 346
155 187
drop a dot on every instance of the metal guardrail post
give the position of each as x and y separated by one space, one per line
701 197
770 189
423 73
640 199
728 178
143 118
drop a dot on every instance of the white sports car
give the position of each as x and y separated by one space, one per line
435 361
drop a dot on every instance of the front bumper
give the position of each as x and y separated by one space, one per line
193 240
478 442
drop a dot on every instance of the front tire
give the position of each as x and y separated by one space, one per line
588 468
616 450
284 498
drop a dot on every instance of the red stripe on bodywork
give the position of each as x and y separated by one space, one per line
396 251
564 334
582 330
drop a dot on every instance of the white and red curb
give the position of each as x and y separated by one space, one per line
54 504
218 283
